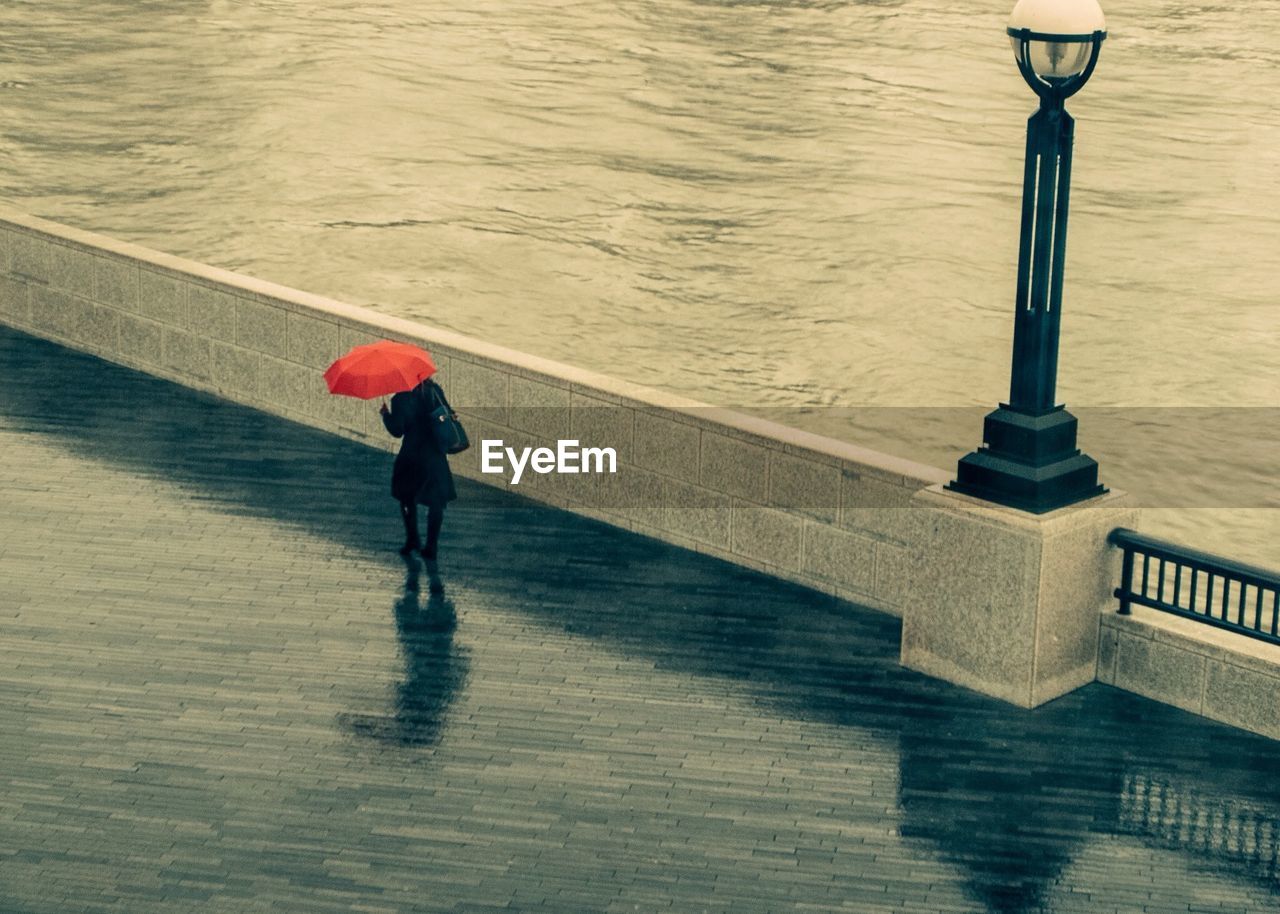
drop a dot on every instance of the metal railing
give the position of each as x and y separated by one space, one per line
1196 585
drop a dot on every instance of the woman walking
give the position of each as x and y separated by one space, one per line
421 475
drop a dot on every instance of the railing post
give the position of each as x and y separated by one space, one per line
1126 581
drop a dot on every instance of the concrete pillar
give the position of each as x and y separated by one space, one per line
1005 602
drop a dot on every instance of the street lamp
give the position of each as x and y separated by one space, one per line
1029 459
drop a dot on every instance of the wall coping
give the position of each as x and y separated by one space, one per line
716 418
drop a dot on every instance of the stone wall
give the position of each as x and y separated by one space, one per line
824 513
1193 666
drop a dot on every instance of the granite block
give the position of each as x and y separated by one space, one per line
1243 698
82 324
871 505
468 462
479 389
29 256
211 313
965 618
734 467
140 340
117 283
98 327
235 370
318 403
444 363
767 535
71 269
53 311
539 408
843 558
351 413
974 578
186 353
261 326
697 513
804 486
15 299
580 490
894 569
635 494
368 422
163 298
866 488
1078 571
328 411
350 337
1162 671
599 423
1108 647
312 342
666 446
995 602
286 383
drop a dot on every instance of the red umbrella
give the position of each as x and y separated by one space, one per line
378 369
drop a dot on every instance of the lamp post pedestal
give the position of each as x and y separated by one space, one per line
1029 462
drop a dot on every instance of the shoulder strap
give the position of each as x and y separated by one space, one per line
438 392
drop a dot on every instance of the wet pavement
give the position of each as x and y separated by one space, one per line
222 690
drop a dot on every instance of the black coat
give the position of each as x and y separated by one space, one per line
421 473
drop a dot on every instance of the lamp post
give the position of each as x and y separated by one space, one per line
1029 459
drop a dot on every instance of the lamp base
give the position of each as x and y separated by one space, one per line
1029 462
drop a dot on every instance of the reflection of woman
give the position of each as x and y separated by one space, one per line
434 667
421 474
435 670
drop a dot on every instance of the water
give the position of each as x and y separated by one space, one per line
805 208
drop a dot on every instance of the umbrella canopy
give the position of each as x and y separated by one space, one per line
378 369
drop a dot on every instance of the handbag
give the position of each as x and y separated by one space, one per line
448 431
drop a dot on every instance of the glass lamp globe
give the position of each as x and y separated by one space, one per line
1056 36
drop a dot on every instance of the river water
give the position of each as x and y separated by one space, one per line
803 208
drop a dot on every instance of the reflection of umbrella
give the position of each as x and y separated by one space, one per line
378 369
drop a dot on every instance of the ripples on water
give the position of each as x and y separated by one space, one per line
795 206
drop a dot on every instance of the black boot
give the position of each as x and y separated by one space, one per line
435 520
409 514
